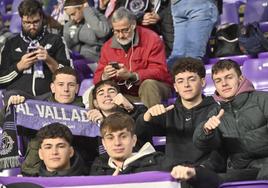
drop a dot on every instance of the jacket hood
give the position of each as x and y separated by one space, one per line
76 168
244 87
146 149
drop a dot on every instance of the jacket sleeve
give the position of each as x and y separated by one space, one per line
103 61
97 22
256 140
61 54
207 142
157 67
67 35
155 127
8 69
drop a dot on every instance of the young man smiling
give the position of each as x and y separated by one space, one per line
179 121
64 88
119 139
57 153
107 100
238 126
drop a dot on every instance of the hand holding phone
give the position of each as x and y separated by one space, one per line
115 65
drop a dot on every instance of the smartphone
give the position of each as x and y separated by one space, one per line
115 65
31 49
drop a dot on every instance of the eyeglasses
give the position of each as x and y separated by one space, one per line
123 31
34 23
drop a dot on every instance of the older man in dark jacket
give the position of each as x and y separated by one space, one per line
238 126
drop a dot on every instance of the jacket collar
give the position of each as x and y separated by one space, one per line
74 170
146 149
244 87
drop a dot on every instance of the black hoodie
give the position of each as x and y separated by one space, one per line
178 125
76 169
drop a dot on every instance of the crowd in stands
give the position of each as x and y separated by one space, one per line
139 55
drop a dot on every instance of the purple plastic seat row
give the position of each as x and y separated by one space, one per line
256 10
256 70
246 184
159 140
230 13
209 88
240 59
85 84
10 172
263 55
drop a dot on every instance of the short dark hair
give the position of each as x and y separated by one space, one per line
65 70
54 130
116 122
226 64
189 64
102 83
30 7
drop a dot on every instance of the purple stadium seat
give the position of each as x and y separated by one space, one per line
171 100
256 10
6 19
85 84
15 23
82 69
209 89
238 58
235 1
229 13
256 70
10 172
159 140
6 6
246 184
263 55
264 26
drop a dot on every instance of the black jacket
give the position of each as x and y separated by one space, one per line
179 125
15 48
76 168
146 159
154 161
243 131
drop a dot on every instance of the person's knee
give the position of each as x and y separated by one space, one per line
149 86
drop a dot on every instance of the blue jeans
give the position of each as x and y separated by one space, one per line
193 22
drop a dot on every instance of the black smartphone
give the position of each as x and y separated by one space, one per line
115 65
31 49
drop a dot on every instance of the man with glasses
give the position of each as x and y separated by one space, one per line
135 58
30 58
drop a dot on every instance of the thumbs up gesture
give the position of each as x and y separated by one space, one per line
156 110
213 122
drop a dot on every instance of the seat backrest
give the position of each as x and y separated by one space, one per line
159 140
229 13
209 88
256 10
256 70
240 59
246 184
10 172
